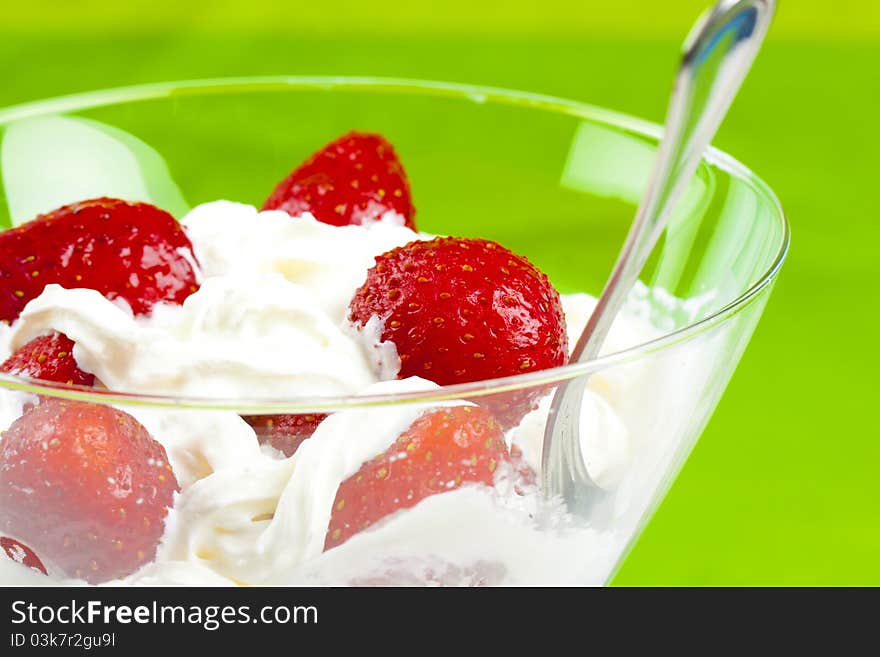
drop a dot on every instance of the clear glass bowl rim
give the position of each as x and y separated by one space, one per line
471 93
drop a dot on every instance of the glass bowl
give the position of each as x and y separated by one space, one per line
554 180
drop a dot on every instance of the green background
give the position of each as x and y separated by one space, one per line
781 488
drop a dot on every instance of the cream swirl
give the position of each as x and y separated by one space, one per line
255 522
231 239
269 320
237 337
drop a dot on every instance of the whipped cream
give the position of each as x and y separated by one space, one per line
231 239
237 337
5 333
269 321
256 522
603 435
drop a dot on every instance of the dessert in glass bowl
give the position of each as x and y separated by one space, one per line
318 384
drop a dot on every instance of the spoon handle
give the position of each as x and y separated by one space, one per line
717 55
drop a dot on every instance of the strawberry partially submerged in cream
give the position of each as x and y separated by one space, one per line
129 251
133 252
440 452
284 432
21 554
461 310
49 358
354 179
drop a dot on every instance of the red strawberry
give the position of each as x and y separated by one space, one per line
131 251
284 432
86 486
48 357
462 310
21 553
440 451
353 180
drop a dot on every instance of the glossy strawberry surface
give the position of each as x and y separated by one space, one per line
50 358
130 251
461 310
354 179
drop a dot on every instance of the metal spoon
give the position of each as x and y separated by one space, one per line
717 55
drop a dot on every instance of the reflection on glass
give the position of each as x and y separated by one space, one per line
607 162
54 160
740 234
